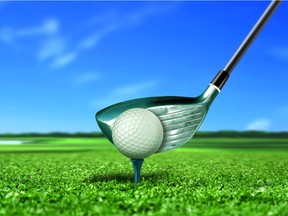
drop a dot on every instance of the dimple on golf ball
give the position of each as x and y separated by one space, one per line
137 133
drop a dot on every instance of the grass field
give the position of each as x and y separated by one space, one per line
79 176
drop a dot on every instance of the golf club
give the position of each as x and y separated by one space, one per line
181 117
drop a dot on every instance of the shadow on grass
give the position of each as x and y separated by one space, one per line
125 177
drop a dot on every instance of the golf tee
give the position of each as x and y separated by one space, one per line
137 164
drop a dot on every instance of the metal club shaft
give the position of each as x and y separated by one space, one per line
251 36
223 75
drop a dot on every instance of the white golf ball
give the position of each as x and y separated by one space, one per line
137 133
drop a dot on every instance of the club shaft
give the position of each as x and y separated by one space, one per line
251 36
223 75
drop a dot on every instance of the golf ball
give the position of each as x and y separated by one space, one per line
137 133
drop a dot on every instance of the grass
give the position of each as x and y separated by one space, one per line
44 178
44 144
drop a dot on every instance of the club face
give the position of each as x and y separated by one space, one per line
181 117
179 122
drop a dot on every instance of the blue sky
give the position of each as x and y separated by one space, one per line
61 62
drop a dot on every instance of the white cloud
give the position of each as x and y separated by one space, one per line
93 39
142 14
115 21
89 41
61 50
64 59
53 46
86 78
259 124
280 53
124 93
134 89
49 26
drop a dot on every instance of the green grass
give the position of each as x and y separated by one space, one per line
56 144
44 178
40 144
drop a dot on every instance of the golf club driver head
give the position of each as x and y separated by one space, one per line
180 117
